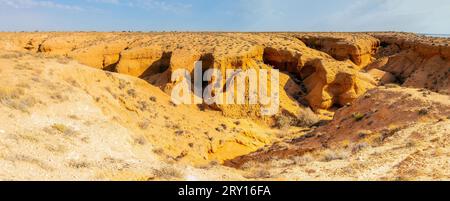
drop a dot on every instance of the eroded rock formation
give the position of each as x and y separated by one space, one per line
326 66
418 62
380 100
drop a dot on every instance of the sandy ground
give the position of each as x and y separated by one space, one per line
96 106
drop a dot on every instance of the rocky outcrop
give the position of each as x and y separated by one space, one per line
327 82
370 120
416 61
63 44
22 41
413 70
425 46
103 55
324 66
363 108
386 107
333 83
358 48
382 77
143 61
282 59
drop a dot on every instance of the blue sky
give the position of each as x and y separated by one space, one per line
431 16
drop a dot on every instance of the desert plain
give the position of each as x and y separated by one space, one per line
97 106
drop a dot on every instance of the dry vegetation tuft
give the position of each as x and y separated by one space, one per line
63 129
167 173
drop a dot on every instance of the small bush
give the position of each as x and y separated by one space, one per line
359 147
283 122
303 160
132 93
249 164
364 133
358 116
10 93
144 124
140 140
167 173
307 118
158 151
329 155
78 165
63 129
171 103
179 132
210 165
410 144
142 106
259 174
423 112
122 84
12 99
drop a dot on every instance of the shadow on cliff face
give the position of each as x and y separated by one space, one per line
281 59
158 66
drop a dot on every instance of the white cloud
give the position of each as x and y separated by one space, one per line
37 3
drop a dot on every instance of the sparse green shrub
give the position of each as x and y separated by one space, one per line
358 116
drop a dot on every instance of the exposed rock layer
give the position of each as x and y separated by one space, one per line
155 56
